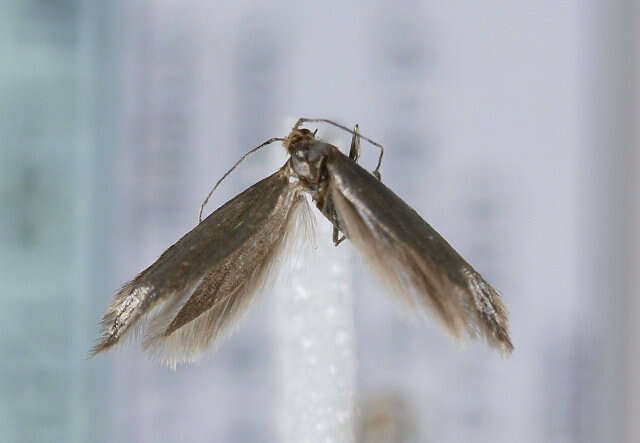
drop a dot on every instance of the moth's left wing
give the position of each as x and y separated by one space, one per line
187 298
415 262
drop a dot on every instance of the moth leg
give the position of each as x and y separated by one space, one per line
376 172
326 207
333 218
337 229
336 239
354 152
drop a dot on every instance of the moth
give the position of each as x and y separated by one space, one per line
185 301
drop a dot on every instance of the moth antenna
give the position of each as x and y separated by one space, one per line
206 200
302 120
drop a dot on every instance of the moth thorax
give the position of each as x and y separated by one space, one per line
308 161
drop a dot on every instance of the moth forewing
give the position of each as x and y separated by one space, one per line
186 298
411 258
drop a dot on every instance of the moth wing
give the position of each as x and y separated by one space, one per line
412 259
189 296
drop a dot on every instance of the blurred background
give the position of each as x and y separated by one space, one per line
510 126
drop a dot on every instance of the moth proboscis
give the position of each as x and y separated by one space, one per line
185 301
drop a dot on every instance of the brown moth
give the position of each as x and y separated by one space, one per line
185 301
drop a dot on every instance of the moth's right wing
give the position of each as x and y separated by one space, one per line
185 300
413 260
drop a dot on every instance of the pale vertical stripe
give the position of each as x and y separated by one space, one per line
315 341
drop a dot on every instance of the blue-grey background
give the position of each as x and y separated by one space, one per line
508 125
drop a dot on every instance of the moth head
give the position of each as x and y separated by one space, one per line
298 137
